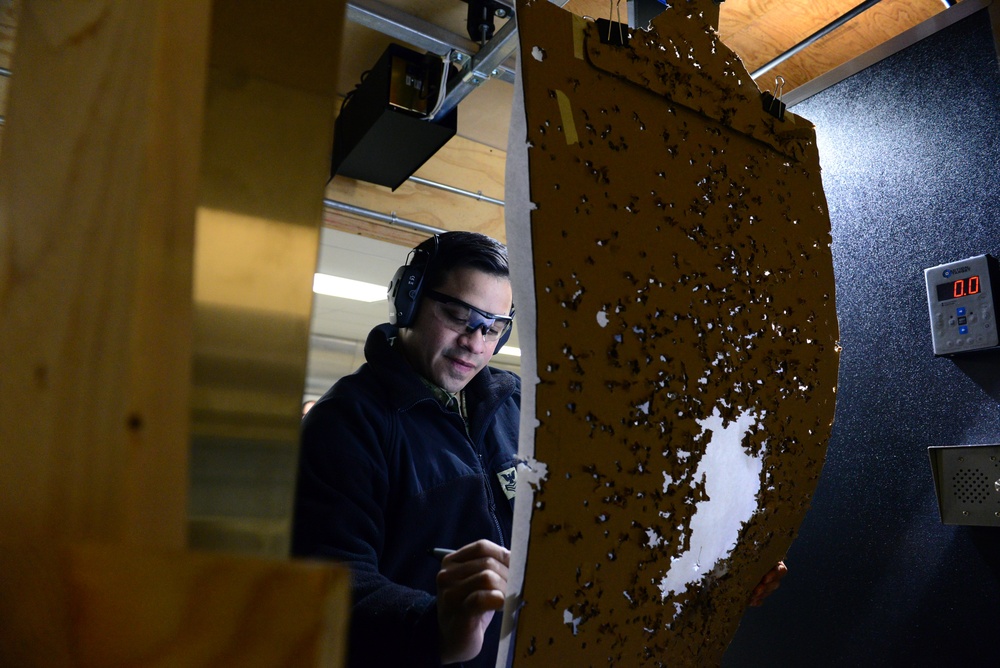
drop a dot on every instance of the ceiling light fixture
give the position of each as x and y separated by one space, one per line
346 288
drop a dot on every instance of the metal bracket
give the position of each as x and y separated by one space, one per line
478 64
484 65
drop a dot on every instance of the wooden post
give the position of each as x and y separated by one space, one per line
99 187
98 184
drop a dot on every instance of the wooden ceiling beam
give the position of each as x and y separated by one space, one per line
461 163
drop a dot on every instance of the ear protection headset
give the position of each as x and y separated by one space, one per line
406 286
406 290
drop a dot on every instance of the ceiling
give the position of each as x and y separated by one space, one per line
759 31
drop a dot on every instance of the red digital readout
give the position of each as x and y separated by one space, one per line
963 287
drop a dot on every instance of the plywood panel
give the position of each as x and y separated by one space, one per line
771 33
96 235
686 341
269 116
100 605
461 163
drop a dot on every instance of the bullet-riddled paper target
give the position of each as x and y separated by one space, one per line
680 386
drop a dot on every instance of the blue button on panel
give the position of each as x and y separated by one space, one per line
964 329
960 310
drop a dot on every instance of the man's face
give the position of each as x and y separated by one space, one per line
443 356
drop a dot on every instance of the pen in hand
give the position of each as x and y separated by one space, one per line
440 552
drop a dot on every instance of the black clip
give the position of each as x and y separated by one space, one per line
772 102
614 33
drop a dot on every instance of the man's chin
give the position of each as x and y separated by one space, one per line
456 381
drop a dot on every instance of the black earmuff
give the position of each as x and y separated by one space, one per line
406 287
404 295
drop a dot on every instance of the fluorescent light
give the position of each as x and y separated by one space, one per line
510 350
346 288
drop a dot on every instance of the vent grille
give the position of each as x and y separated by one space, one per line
970 486
967 482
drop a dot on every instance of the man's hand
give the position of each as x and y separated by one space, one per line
768 583
471 586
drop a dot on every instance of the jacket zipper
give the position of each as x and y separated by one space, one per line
491 500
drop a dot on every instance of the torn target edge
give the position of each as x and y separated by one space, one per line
517 215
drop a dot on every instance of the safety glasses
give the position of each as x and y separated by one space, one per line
461 317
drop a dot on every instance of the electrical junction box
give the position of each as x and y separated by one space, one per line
962 308
385 132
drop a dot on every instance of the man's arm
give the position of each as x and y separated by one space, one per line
341 495
472 586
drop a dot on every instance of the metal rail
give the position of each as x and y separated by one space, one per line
392 218
816 36
424 35
478 195
486 64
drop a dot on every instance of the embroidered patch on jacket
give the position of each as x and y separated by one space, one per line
508 480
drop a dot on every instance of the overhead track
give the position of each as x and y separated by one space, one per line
486 64
399 25
477 64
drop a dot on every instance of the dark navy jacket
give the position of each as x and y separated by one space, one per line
386 473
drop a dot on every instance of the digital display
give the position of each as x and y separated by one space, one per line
963 287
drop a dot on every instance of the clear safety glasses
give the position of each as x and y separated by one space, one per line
461 317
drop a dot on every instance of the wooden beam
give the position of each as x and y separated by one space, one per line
461 163
98 194
96 202
269 117
100 605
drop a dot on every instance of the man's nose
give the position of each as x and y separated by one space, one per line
474 339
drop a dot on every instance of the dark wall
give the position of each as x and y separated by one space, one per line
911 169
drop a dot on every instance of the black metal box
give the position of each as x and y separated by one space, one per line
382 135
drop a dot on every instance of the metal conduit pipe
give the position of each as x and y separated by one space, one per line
819 34
478 195
4 72
392 218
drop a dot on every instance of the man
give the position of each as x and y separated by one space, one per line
414 452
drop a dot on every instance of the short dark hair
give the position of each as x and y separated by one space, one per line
446 252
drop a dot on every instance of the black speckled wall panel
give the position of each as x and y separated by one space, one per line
910 150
